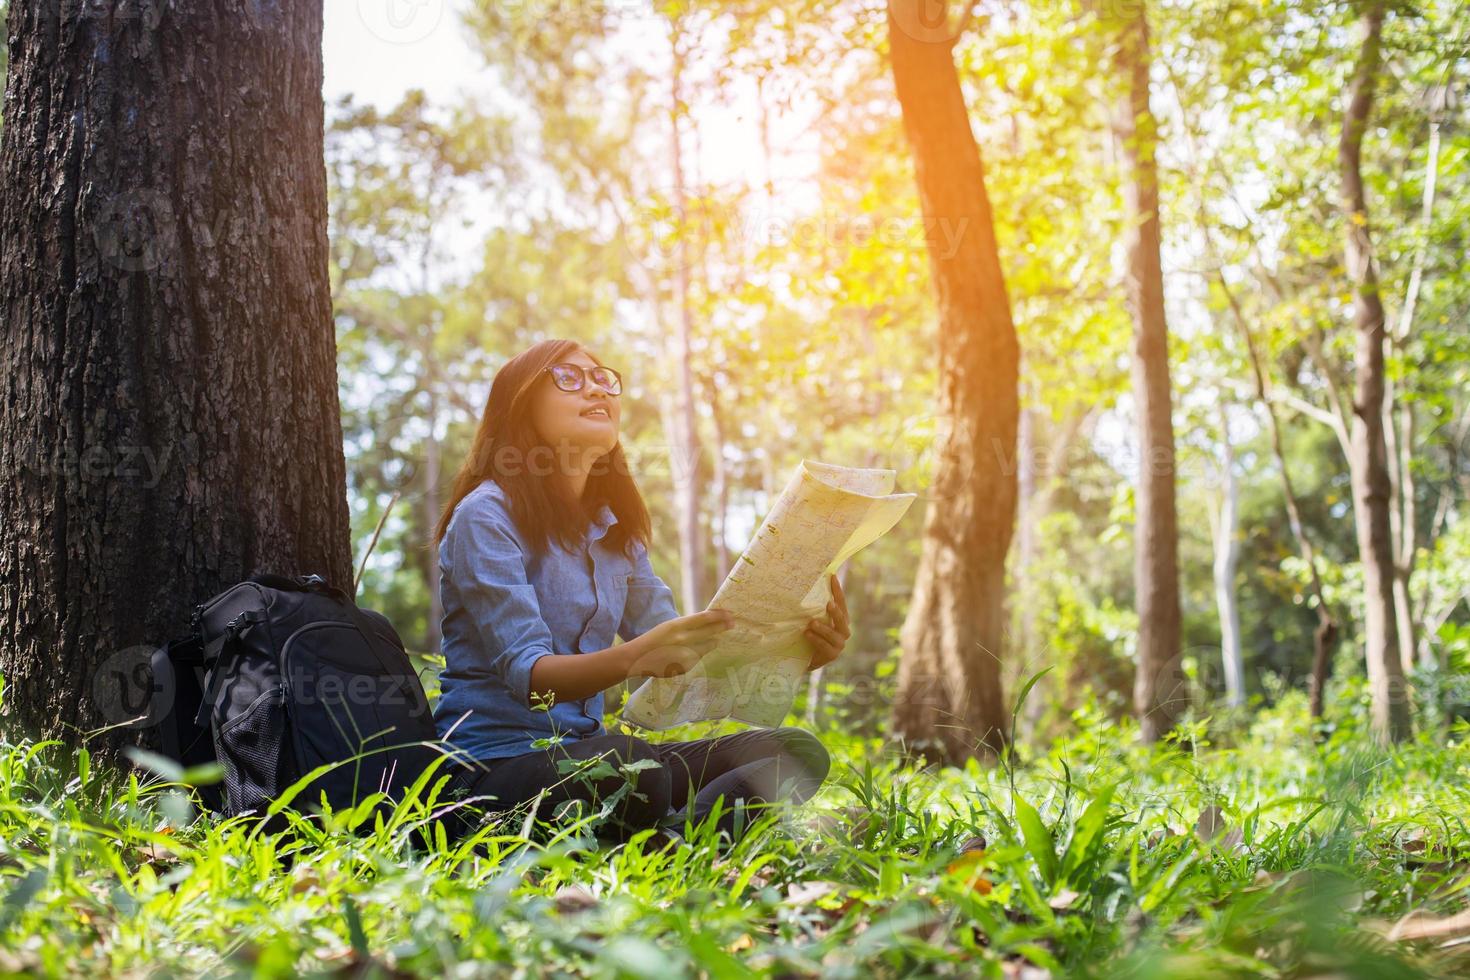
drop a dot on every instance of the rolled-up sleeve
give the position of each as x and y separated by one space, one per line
649 602
489 569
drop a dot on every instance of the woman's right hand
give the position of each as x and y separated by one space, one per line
674 646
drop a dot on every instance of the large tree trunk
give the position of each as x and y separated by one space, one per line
169 421
949 701
1369 460
4 53
1160 693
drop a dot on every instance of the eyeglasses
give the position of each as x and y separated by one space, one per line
572 377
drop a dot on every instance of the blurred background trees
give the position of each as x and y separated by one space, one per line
720 199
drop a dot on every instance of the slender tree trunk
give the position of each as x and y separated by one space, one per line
720 522
710 385
169 421
949 702
1324 638
431 381
686 433
433 636
1399 427
1398 454
1227 559
1398 431
1030 511
1027 519
1160 692
1369 467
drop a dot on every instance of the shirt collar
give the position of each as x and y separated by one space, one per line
604 519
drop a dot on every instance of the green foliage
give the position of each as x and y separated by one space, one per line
1275 856
812 317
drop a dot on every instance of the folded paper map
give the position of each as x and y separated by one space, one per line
825 515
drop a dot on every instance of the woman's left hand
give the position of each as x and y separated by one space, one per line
828 638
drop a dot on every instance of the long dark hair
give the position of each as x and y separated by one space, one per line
540 506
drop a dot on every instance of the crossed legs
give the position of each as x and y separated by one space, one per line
757 768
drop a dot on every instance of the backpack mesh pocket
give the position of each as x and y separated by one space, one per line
250 750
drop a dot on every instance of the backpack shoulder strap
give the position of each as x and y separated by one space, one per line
211 657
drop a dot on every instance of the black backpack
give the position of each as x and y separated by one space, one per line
282 675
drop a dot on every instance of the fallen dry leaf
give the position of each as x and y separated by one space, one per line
1022 970
154 854
571 899
1419 925
1211 828
306 880
806 892
342 954
19 964
1211 823
354 967
1063 899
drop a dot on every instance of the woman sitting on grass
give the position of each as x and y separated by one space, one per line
543 553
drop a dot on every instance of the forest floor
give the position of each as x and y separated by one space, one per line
1262 854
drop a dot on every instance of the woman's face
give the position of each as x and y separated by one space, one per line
583 424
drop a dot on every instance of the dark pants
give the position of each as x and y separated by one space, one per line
760 767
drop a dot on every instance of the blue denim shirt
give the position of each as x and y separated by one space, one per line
506 606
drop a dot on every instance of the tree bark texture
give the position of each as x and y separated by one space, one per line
1160 693
169 419
949 702
1368 467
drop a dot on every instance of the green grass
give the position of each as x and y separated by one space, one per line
1094 866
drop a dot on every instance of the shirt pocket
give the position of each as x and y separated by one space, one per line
615 592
